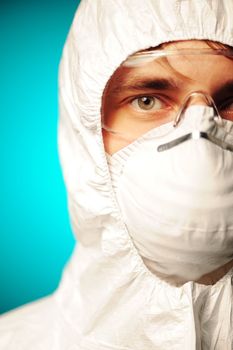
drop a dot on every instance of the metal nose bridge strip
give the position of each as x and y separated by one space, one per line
195 135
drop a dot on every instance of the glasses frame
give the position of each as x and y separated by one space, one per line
149 55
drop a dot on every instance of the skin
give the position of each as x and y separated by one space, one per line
198 73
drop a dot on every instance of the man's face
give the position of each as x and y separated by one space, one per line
152 90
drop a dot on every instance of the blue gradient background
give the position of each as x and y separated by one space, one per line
35 234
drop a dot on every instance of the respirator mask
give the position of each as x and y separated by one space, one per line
173 177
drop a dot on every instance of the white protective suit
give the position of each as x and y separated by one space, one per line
107 298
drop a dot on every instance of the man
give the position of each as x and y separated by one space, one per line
146 145
169 201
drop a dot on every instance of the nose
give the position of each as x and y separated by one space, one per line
200 98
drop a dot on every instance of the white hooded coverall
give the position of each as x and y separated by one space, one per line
107 298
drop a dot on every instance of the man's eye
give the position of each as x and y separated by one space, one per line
226 111
230 106
147 103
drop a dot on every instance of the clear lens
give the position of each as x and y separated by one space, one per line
153 89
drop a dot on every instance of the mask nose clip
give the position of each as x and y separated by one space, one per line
197 98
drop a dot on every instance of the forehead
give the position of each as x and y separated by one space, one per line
188 68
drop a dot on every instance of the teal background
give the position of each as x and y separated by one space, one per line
35 234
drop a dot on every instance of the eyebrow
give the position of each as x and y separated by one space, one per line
146 84
139 84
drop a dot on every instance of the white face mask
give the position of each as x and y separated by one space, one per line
177 205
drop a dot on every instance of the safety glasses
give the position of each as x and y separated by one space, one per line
154 88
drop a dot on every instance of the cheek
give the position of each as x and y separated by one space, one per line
107 142
113 118
113 114
113 143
